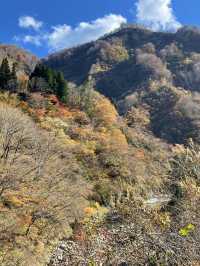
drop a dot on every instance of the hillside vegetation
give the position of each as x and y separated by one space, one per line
81 184
133 63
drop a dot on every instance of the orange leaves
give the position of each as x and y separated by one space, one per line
104 112
89 211
25 220
139 154
112 139
63 112
118 140
40 113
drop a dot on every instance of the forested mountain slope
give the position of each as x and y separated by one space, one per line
152 73
125 60
89 181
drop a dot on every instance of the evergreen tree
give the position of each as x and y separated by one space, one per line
42 71
38 71
5 74
5 67
13 81
55 80
62 90
14 72
50 77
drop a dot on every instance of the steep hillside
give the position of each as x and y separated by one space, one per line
123 61
60 162
25 61
78 184
136 67
82 185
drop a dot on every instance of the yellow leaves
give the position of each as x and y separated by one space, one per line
104 112
97 68
102 130
13 201
118 139
185 231
112 139
82 134
94 215
54 123
165 219
41 223
86 149
92 263
162 219
95 210
40 247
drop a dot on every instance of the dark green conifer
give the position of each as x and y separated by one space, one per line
62 90
5 74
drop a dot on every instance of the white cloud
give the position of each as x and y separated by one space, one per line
30 22
64 36
157 15
36 40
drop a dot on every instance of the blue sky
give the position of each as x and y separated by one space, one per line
44 26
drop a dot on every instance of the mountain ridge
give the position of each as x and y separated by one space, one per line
102 58
81 184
